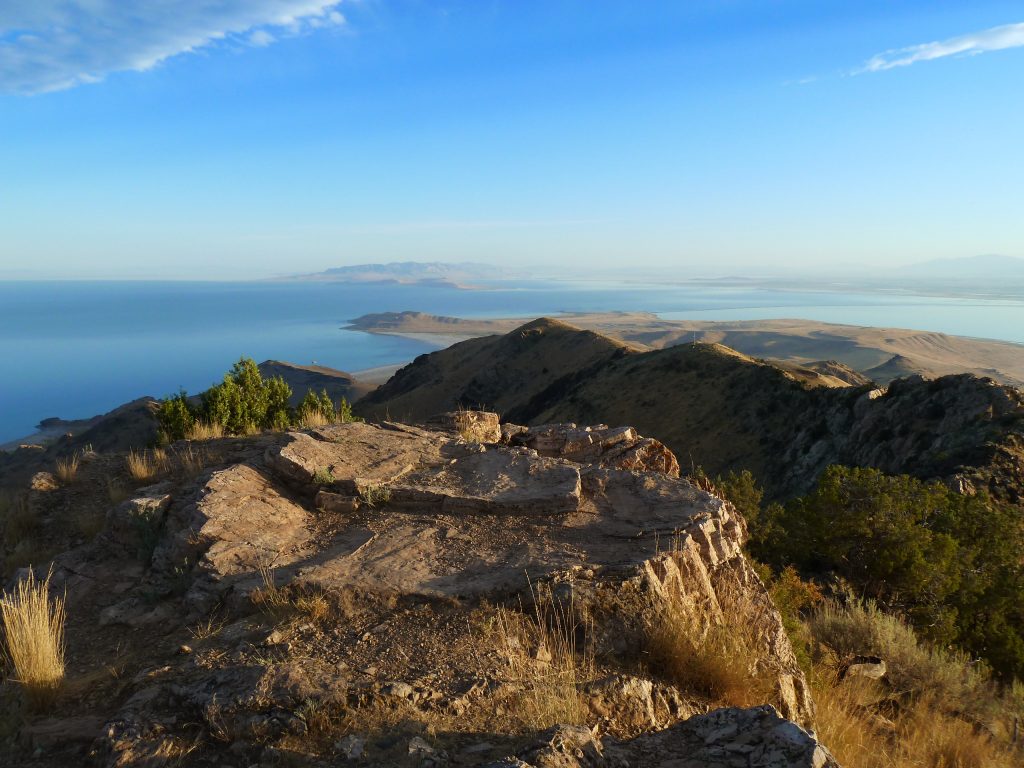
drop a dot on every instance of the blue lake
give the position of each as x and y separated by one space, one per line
75 349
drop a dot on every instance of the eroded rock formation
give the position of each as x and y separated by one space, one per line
393 551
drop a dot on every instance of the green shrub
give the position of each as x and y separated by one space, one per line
316 407
948 562
245 401
176 417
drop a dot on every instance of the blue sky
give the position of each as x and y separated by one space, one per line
247 138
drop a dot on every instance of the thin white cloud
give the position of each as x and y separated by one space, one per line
994 39
50 45
260 38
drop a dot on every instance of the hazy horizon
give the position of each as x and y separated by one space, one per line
251 140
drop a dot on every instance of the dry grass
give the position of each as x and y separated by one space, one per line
468 427
67 468
34 636
712 655
921 735
313 418
928 710
204 630
146 465
188 461
913 666
375 496
116 492
17 519
549 655
203 430
282 603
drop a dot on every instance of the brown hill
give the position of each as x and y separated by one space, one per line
723 410
867 350
838 370
496 372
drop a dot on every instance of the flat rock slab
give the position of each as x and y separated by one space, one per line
356 455
496 481
250 522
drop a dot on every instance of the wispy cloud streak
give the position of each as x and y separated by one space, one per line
994 39
51 45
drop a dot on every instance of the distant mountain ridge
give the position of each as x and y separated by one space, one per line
453 274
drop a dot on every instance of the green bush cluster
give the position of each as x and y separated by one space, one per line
245 401
321 404
948 562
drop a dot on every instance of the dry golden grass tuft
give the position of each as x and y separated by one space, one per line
468 427
549 655
282 603
205 430
920 735
67 468
34 635
204 630
313 418
188 461
713 656
145 465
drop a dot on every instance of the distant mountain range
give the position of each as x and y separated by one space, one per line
411 272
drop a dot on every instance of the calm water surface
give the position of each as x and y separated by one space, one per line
76 349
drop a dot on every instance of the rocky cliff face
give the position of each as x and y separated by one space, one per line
723 410
390 593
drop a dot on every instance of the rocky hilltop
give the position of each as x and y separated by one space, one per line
415 595
880 354
725 411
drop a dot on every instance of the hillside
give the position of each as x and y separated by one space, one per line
720 409
866 350
497 372
303 378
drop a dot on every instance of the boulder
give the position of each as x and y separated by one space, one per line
618 447
473 426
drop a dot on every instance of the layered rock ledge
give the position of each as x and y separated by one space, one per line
400 540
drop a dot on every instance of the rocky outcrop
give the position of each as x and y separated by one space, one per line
726 738
394 564
620 447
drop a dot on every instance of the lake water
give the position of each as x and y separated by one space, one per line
75 349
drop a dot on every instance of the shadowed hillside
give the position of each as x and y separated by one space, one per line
499 372
723 410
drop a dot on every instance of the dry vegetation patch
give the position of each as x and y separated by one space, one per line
145 465
934 708
713 654
34 638
67 468
549 654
